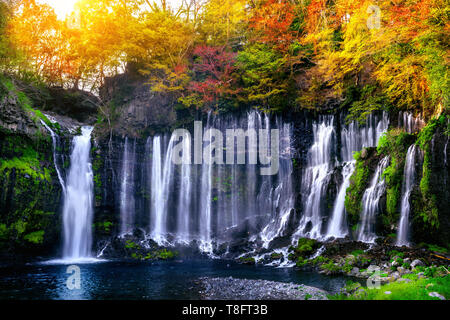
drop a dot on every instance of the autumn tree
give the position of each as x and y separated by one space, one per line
41 38
214 79
223 22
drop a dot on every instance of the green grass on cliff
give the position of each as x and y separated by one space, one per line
25 160
8 87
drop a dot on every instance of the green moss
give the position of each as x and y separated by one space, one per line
417 289
305 248
103 227
301 262
276 256
331 267
434 248
166 254
247 260
131 245
36 237
394 144
25 102
357 253
358 183
348 266
426 208
28 164
394 253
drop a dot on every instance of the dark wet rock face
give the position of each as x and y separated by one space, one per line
14 118
76 104
139 110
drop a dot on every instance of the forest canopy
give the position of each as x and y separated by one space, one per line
216 54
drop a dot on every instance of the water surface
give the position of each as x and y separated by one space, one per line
128 280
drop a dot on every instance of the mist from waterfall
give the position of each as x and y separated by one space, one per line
409 177
78 201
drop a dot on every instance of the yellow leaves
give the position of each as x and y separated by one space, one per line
222 21
404 81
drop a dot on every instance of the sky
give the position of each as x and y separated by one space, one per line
62 7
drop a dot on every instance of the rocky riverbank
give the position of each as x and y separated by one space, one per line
242 289
379 263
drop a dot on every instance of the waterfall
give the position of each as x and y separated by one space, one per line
185 194
162 180
127 202
55 141
337 227
315 179
409 123
354 138
277 200
407 187
208 201
370 203
78 202
206 195
445 152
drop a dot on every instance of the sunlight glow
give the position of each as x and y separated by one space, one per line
62 7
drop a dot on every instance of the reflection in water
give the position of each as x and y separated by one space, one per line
140 280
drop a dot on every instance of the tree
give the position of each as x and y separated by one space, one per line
214 78
263 73
223 22
41 38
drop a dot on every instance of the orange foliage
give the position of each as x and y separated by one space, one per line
272 23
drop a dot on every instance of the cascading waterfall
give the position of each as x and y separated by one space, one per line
315 179
409 123
55 141
407 187
78 202
127 202
206 202
162 174
337 227
354 138
184 198
206 195
370 204
277 201
155 187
